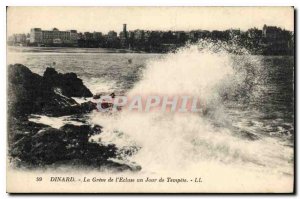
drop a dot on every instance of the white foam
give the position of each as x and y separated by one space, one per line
179 142
99 85
55 122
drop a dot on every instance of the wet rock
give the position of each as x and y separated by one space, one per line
44 147
57 105
20 127
50 95
113 95
83 108
97 96
34 144
48 146
69 83
80 133
122 167
24 88
87 107
70 142
106 105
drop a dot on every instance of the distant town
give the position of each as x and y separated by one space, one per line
270 40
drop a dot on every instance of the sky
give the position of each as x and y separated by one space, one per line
104 19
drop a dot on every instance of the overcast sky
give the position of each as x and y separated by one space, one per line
103 19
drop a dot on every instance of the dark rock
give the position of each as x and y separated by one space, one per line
122 167
106 105
57 105
80 133
30 93
112 95
24 88
83 108
48 146
37 144
97 128
20 127
44 147
69 83
97 96
87 107
70 142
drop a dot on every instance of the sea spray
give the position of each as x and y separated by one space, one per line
164 141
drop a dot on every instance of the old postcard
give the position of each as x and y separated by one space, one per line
150 100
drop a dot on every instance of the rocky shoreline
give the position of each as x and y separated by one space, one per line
40 145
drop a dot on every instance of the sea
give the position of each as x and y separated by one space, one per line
247 130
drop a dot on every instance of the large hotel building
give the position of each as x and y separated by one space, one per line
54 36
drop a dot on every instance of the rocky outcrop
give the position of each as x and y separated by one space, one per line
69 145
36 145
41 146
50 95
69 84
30 93
24 90
49 145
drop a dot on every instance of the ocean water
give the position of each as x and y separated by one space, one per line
101 70
248 128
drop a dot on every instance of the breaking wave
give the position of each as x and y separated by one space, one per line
224 76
